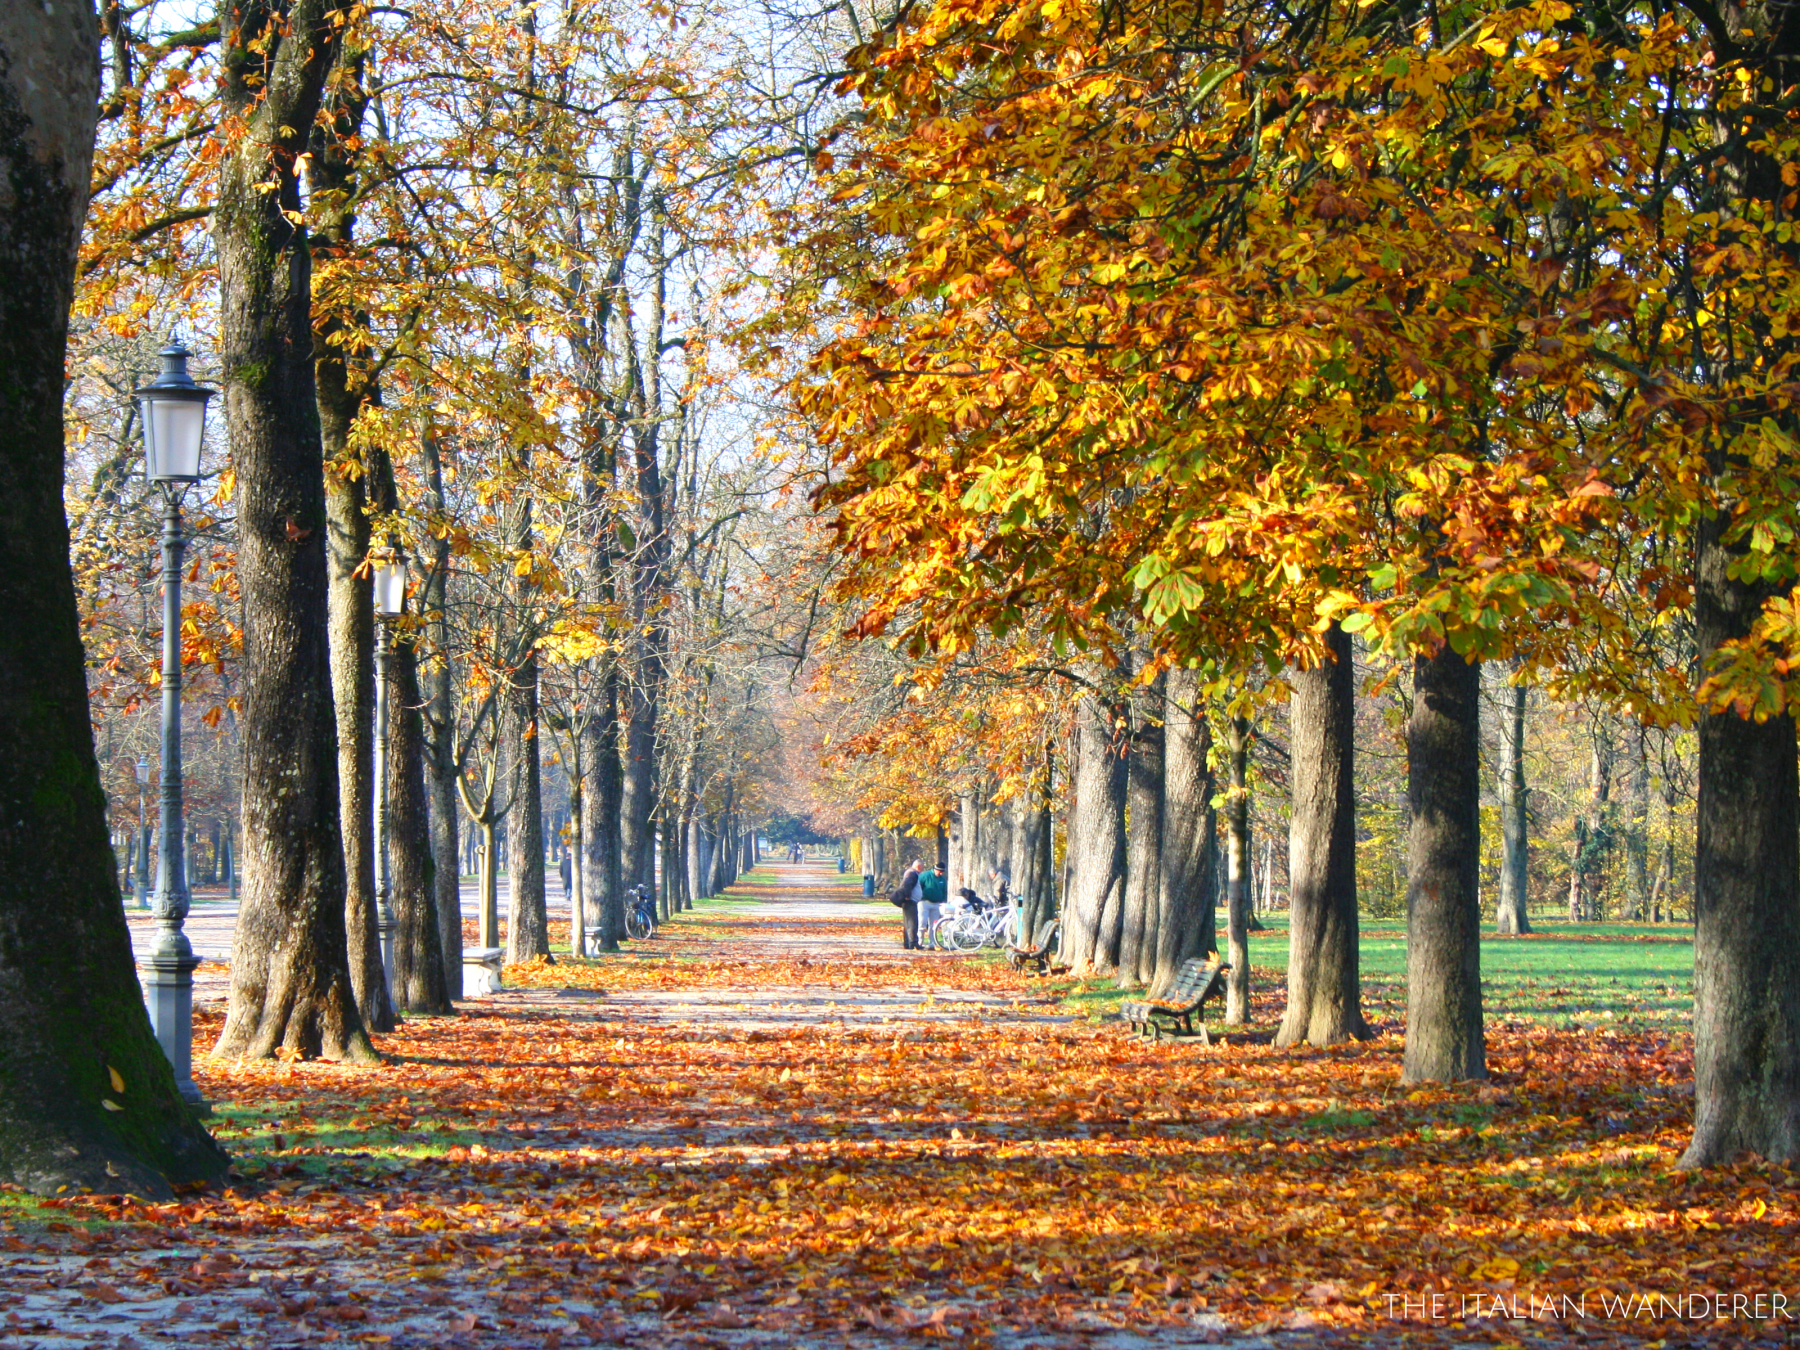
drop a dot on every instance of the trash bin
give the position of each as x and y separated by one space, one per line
842 864
868 887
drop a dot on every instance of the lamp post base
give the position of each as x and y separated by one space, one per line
169 991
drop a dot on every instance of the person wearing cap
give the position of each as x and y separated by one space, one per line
934 890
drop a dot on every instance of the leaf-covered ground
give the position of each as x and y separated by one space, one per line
774 1128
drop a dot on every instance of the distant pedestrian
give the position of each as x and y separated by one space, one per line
934 889
906 896
567 867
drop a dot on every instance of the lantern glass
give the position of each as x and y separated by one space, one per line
173 429
390 587
143 771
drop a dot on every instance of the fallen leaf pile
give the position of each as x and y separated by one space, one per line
786 1125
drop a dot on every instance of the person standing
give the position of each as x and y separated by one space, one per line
934 889
906 896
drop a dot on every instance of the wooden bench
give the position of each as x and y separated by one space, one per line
1036 956
1184 1006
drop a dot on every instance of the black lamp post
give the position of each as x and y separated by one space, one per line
174 415
390 604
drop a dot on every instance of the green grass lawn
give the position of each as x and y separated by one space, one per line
1563 975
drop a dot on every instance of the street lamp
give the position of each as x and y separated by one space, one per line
173 408
143 833
390 604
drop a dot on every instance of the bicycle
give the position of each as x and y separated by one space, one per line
640 914
976 923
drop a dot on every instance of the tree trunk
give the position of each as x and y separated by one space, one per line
1637 827
1237 875
578 911
1035 902
1592 838
699 881
440 712
350 596
1096 842
71 1012
1143 841
1324 973
419 984
290 975
527 917
1746 902
605 886
1188 896
1511 913
1443 904
488 930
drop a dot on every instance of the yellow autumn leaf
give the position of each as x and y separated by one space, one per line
118 1079
110 1104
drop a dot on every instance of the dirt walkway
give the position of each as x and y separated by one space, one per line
808 921
769 1127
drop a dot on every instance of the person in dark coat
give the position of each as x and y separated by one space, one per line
906 895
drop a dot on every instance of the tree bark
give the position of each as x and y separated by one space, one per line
1324 972
1637 827
1096 841
1444 1040
71 1012
1511 914
1746 902
290 975
1188 894
604 884
419 983
1237 875
1592 838
342 393
1143 840
440 712
527 916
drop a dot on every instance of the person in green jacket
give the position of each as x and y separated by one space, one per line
934 889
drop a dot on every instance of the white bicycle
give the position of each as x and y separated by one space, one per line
975 923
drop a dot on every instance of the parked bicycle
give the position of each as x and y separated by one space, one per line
640 913
974 922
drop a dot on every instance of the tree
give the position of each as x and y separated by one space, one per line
1188 923
290 977
1237 870
1324 977
344 387
419 978
1144 794
1096 831
1444 1039
1512 911
87 1099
